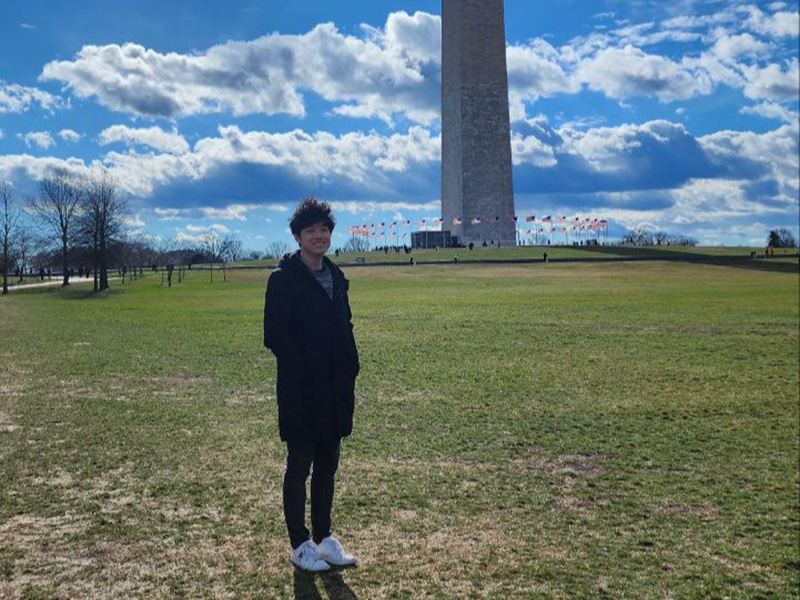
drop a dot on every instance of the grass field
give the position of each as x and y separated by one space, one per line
522 431
537 252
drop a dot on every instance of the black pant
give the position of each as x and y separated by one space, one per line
301 455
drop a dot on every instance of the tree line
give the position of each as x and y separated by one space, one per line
81 224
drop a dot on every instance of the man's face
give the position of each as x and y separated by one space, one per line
314 239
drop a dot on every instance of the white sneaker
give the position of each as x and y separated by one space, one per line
306 557
331 551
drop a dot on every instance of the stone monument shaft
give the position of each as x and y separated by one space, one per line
476 140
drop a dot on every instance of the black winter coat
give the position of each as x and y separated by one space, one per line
312 339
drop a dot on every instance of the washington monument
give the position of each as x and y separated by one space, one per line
477 191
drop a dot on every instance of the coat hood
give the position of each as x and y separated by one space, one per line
293 263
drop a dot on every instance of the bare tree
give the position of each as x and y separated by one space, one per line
662 238
9 230
57 205
25 248
357 244
638 236
232 248
781 238
101 221
277 249
165 251
211 244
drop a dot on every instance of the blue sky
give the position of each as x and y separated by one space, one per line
679 116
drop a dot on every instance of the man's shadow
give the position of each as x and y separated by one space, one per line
305 587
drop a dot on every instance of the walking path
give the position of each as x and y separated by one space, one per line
54 282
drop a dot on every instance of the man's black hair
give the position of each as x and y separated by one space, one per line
309 212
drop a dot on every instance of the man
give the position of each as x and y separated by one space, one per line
308 326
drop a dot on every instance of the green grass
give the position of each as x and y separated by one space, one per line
447 254
544 431
536 252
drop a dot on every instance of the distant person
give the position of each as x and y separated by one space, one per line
308 326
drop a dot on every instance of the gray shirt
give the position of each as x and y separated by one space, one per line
325 279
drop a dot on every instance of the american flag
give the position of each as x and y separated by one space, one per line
547 219
422 222
456 221
530 219
475 220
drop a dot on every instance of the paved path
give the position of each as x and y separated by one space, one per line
54 282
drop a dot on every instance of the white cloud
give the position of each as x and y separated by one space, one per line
709 200
730 47
15 98
771 110
41 139
185 238
536 146
624 72
68 135
534 72
167 214
739 171
772 82
232 212
779 24
37 167
27 26
390 71
215 228
353 155
394 70
720 17
312 157
402 149
154 137
775 151
134 221
643 34
416 36
356 207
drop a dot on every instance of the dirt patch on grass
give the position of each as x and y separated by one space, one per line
6 424
587 465
117 540
181 379
41 550
440 560
703 511
247 398
59 479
